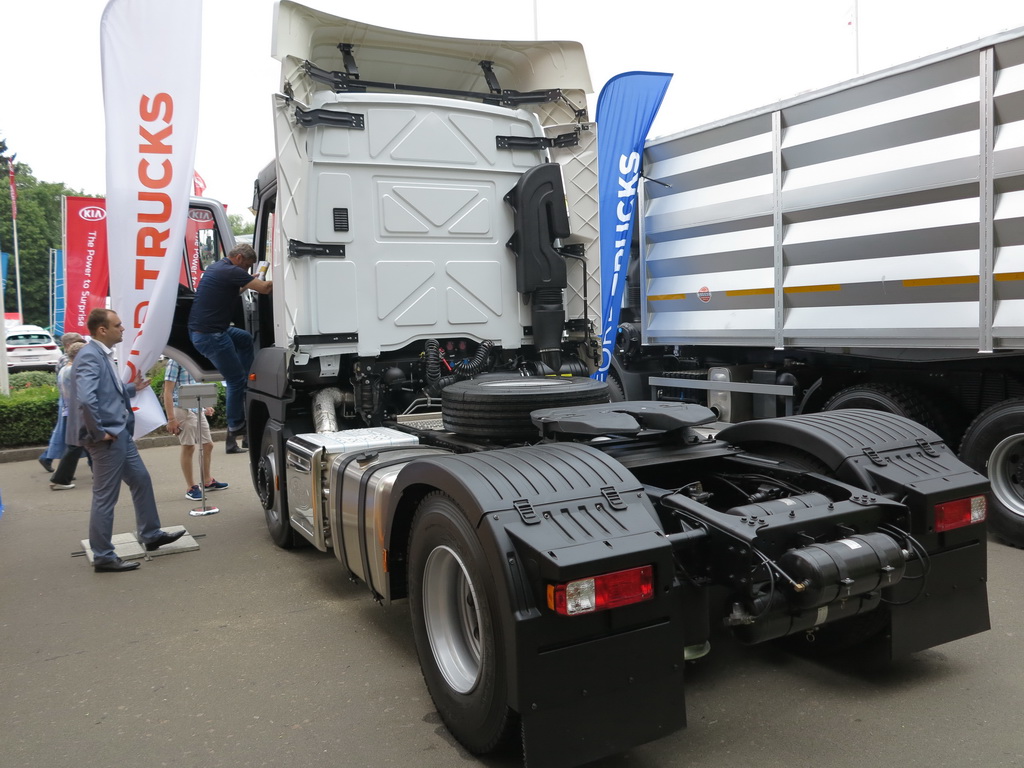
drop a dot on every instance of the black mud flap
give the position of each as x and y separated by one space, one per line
604 697
953 605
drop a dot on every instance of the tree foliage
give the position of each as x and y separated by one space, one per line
39 230
241 225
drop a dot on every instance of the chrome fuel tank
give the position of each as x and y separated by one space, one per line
309 456
360 491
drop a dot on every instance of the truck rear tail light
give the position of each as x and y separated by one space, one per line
957 514
599 593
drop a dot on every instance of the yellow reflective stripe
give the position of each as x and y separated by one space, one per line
923 282
751 292
928 281
811 288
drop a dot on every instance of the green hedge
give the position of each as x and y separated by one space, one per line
29 413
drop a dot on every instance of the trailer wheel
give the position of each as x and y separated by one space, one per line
994 445
268 484
500 408
901 400
616 392
456 627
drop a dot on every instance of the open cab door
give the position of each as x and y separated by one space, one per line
208 239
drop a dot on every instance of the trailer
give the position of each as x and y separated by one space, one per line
857 247
420 410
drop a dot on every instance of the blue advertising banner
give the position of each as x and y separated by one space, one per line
625 110
3 270
58 293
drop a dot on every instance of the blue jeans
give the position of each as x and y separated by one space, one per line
55 450
231 351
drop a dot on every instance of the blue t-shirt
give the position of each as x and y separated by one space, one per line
215 298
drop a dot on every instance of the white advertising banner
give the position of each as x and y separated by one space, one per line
150 52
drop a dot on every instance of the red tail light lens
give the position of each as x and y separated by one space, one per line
957 514
49 346
599 593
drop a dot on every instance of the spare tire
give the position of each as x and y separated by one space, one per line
499 408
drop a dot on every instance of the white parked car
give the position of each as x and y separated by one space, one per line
30 347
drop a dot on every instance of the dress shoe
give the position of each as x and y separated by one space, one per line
115 565
47 465
235 449
162 539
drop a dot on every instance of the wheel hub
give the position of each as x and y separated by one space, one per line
1006 473
451 614
265 473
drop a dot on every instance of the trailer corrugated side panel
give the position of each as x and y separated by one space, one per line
884 212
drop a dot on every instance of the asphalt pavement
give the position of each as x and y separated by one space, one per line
242 654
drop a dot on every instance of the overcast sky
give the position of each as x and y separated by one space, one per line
728 56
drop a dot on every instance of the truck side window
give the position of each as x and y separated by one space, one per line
203 245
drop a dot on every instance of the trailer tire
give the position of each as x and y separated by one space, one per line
268 487
994 445
616 392
901 400
457 627
500 408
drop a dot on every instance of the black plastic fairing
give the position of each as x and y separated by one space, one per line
538 203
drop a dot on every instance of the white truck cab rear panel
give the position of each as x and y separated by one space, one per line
415 198
421 183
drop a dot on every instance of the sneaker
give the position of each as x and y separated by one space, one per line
213 485
61 486
194 493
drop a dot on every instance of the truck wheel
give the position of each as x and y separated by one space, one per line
268 485
994 445
898 399
616 392
456 627
500 408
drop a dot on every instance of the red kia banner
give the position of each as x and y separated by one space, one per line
199 221
85 260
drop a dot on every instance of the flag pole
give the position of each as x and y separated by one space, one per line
5 382
17 271
14 224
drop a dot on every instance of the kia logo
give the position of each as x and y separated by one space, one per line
199 214
93 213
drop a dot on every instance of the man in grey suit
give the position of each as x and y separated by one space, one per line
100 419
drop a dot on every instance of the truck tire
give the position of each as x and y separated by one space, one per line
899 399
268 487
616 392
457 628
500 408
994 445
